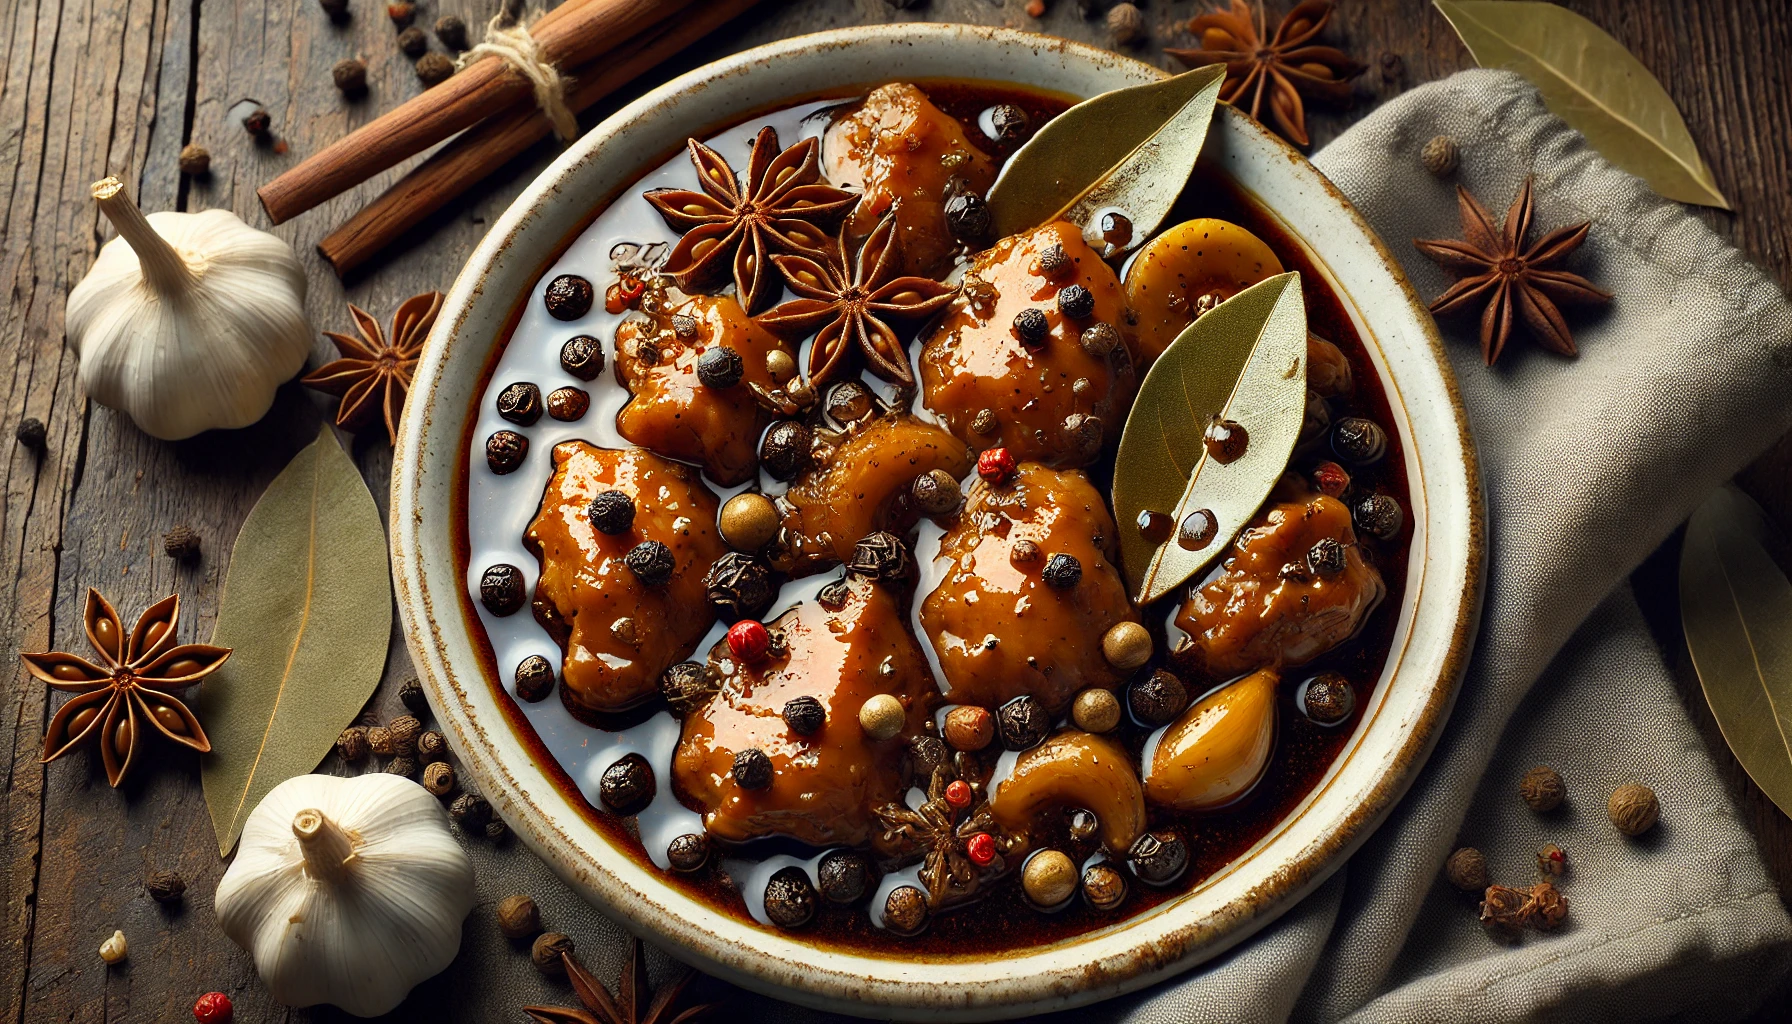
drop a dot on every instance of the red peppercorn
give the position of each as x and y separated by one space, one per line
1331 479
213 1008
958 794
749 640
981 848
995 465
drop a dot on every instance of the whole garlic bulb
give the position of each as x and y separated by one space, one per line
187 321
347 891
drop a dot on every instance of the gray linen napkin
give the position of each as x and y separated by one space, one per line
1589 464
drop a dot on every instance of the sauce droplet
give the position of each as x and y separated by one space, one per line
1154 526
1226 440
1198 529
1116 228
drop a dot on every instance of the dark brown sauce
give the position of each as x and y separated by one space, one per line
1304 750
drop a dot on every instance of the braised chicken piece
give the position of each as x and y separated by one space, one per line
1036 354
622 618
857 483
1187 270
706 416
998 624
902 151
1294 586
841 649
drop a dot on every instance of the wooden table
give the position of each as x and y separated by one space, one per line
97 87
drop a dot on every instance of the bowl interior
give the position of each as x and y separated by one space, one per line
1399 724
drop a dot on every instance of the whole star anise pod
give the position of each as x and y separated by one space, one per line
785 207
632 1003
374 373
131 692
851 307
941 834
1276 73
1495 268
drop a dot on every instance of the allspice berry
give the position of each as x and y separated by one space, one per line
1158 698
1126 24
1048 878
1467 869
431 745
1542 789
411 694
180 543
882 716
844 875
1633 808
435 68
452 32
905 910
1095 710
379 740
688 852
748 521
1440 156
969 728
1126 646
195 160
438 778
352 745
518 917
404 731
164 887
471 810
413 42
546 953
790 898
350 76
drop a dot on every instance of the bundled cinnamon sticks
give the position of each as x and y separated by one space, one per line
601 45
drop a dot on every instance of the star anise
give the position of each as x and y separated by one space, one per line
785 207
374 374
631 1004
941 835
1494 268
131 692
1278 72
852 307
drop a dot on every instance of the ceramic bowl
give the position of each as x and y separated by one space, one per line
1399 725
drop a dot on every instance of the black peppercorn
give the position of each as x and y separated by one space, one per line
164 887
413 42
1327 698
739 586
1157 698
258 122
31 433
1023 722
505 451
1326 557
1158 858
352 745
845 875
905 910
1062 571
495 830
627 786
434 69
582 356
1075 302
432 745
785 451
452 32
1054 262
790 898
881 556
1083 435
404 765
752 769
686 685
804 715
534 678
688 852
611 512
936 493
1379 516
547 951
1009 122
967 216
1359 441
568 297
651 562
181 543
520 403
849 402
1031 327
471 810
720 367
412 695
927 753
501 589
350 76
568 404
1100 339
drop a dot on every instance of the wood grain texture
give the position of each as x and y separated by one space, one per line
91 87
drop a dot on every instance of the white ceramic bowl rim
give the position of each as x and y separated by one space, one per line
1400 723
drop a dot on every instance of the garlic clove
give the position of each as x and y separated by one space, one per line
1214 752
187 321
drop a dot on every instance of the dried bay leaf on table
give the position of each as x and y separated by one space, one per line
1591 81
307 605
1245 360
1132 148
1736 611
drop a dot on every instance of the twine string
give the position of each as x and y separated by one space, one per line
507 38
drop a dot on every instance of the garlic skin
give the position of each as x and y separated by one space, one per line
347 891
187 321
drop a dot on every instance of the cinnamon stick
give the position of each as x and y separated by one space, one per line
474 156
575 33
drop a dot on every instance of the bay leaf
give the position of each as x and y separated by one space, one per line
1591 81
1245 360
1736 611
307 608
1131 148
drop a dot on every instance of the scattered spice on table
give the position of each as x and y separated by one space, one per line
31 433
1497 272
181 543
1542 789
374 373
1273 68
1633 808
632 1004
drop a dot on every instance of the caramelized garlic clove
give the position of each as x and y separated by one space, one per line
1215 751
1074 769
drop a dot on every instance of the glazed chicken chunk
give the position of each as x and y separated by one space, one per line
1036 354
846 646
1294 586
622 609
1001 622
902 152
693 402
